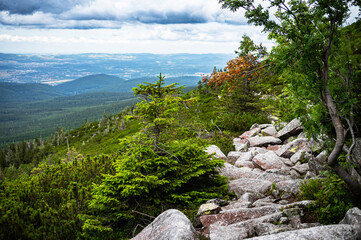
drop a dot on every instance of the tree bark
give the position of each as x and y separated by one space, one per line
353 186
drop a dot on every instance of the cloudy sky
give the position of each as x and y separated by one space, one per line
121 26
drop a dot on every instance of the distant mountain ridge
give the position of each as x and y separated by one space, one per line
30 92
27 92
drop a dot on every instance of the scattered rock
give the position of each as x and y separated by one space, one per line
264 141
291 129
251 133
233 156
319 163
290 186
213 149
243 185
301 168
301 156
269 131
268 160
237 215
352 217
171 224
245 160
340 232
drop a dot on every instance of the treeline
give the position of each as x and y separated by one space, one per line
25 121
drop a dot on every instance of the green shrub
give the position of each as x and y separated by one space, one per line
331 196
180 176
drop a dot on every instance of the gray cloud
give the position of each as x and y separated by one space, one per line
87 14
31 6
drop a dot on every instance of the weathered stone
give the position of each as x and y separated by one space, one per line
209 208
171 224
261 126
339 232
301 204
290 186
267 201
301 168
273 177
264 141
273 147
262 229
240 230
301 156
268 160
294 174
287 161
319 163
285 170
244 163
213 149
243 185
237 215
233 172
250 133
220 231
352 217
241 145
309 175
269 131
233 156
257 150
245 160
293 128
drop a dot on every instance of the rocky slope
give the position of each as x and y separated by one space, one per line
265 172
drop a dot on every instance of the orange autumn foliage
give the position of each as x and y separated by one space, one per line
238 72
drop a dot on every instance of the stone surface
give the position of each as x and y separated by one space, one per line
170 225
240 230
237 215
232 156
352 217
268 160
213 149
290 186
293 128
244 163
233 172
209 208
251 133
301 156
257 150
264 141
243 185
339 232
301 168
319 163
245 160
269 131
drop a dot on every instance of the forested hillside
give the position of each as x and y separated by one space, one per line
36 110
110 178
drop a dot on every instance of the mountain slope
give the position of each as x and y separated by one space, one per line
89 84
26 92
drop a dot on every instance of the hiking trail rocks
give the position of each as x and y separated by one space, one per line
265 172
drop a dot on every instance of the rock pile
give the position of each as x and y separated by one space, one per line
265 172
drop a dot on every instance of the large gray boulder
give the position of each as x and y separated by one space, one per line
353 217
213 149
264 141
339 232
293 128
243 185
170 225
268 160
